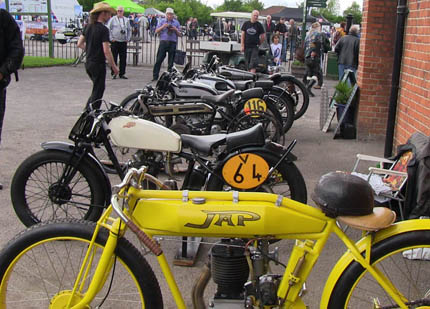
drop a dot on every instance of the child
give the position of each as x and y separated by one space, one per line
275 50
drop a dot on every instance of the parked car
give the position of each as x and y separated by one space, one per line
39 37
67 34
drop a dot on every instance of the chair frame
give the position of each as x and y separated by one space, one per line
395 194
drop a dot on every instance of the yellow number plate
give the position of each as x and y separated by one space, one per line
245 171
254 106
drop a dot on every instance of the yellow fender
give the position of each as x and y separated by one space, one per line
346 259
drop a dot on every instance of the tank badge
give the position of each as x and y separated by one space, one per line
129 124
231 218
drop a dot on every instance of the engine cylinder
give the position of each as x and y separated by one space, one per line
229 268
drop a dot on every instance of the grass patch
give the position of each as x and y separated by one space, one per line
38 62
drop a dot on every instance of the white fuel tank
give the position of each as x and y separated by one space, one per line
133 132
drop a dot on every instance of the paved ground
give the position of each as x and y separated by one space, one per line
46 102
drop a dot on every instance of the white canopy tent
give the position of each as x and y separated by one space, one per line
235 15
154 11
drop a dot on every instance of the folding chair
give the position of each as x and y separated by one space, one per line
388 183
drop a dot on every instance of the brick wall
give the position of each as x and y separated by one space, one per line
413 112
375 66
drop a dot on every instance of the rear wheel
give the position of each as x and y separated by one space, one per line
404 259
298 92
39 268
286 180
272 127
271 120
285 104
39 193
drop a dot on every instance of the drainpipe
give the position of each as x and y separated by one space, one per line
402 11
348 23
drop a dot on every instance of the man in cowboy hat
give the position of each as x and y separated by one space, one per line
169 29
95 41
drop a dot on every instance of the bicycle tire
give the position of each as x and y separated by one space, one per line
299 93
355 286
33 184
286 180
41 264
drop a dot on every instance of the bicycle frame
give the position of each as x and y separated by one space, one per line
233 214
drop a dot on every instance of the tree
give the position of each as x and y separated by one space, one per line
87 5
231 5
330 13
355 11
251 5
240 6
185 9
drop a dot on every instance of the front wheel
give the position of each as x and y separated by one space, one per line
39 267
40 193
403 259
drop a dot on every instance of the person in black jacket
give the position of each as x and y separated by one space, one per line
11 55
95 41
347 50
269 27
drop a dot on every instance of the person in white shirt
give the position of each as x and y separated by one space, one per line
276 49
119 34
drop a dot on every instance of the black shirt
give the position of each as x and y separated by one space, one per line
252 33
281 28
95 34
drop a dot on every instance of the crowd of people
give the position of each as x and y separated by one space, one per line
344 42
281 38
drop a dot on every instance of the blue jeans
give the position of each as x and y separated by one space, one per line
343 67
284 49
292 48
164 48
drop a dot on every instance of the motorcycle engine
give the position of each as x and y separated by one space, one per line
196 122
230 271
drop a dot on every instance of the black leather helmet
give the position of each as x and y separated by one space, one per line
343 194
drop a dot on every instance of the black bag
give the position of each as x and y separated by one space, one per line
180 57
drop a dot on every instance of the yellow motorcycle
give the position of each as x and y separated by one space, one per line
79 264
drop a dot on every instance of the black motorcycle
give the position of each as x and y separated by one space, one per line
197 108
67 180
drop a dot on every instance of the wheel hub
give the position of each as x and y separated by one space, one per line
59 194
61 299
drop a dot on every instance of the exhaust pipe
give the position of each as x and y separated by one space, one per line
200 286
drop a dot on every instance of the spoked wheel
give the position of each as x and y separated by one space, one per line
299 93
40 193
403 259
40 266
272 127
285 104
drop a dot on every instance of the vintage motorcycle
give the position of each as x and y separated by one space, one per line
80 264
193 83
69 180
197 108
295 88
210 75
